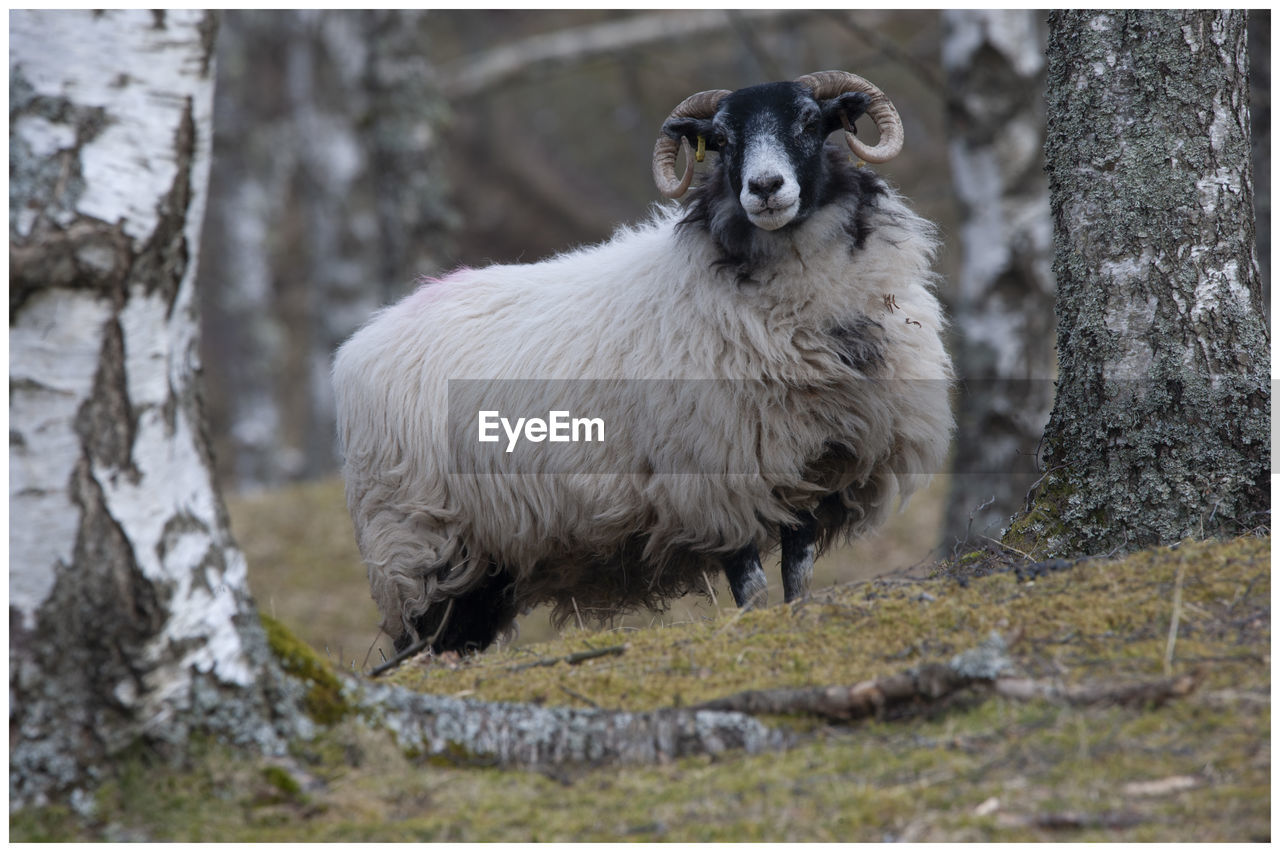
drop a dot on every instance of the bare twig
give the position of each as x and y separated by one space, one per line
416 647
1162 786
968 530
578 695
1010 548
372 645
574 658
711 591
1173 619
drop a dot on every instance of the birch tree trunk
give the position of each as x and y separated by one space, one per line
1003 305
129 613
1161 424
328 199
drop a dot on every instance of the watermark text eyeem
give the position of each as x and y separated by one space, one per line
559 427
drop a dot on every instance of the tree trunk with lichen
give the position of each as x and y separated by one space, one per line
1003 297
129 611
1161 424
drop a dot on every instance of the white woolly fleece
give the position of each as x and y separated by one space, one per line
646 304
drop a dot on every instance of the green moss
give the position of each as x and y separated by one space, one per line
1038 531
279 778
324 701
42 825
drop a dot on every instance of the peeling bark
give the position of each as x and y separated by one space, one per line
130 616
1161 425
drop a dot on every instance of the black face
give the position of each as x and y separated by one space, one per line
770 140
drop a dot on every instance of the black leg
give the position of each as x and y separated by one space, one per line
798 544
746 578
471 621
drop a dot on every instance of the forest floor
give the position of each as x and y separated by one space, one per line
975 766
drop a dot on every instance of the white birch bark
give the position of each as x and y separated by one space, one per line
1003 321
129 611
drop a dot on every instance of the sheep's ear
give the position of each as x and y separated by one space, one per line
691 129
850 105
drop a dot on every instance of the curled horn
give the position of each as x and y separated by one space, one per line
701 105
829 84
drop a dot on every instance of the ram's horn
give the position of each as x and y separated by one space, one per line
701 105
829 84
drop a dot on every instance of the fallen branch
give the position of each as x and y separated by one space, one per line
924 684
1131 694
471 732
933 682
572 659
1072 820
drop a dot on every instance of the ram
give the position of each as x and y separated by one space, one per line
766 361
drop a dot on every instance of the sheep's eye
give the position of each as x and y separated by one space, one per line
722 141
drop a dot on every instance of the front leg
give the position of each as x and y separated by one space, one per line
746 578
798 544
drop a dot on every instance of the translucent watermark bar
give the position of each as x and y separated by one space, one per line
721 427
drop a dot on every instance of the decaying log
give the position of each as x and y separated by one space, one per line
931 683
471 732
1140 693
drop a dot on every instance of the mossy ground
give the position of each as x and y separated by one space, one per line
979 769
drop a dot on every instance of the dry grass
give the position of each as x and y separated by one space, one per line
304 568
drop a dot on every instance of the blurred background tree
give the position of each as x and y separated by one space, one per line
1002 293
357 151
328 197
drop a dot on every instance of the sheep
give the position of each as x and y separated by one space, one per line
766 361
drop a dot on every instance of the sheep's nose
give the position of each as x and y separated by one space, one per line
765 186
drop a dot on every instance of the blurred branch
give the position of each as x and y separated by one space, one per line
576 44
890 49
539 174
757 50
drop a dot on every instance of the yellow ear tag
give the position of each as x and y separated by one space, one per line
702 149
